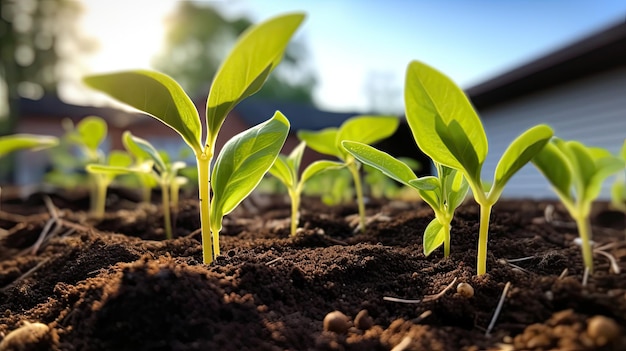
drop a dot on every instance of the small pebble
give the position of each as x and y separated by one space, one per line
602 330
465 290
363 321
336 322
30 336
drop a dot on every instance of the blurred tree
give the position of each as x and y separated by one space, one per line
198 37
39 43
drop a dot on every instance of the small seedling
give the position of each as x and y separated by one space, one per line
15 142
618 189
286 169
448 130
443 193
576 173
155 165
245 158
143 160
363 129
103 174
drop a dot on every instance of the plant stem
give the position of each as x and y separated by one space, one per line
165 202
354 170
295 214
100 196
584 230
483 235
446 239
204 189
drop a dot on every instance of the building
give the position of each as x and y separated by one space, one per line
579 90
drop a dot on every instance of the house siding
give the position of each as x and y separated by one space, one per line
591 110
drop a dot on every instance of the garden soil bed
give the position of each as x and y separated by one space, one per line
117 285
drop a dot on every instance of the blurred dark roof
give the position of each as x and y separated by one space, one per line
254 111
52 106
599 52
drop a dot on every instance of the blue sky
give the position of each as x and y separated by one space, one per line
351 40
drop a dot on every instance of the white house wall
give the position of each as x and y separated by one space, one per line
590 110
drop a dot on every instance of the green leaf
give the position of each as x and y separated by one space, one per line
618 195
622 153
460 147
430 95
91 132
243 161
380 160
295 157
457 189
519 153
281 170
434 236
156 94
366 130
428 183
14 142
134 149
553 164
322 141
150 151
318 167
257 52
605 167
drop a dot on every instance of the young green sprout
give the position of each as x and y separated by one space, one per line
103 174
155 165
16 142
87 136
443 193
142 159
618 189
245 158
364 129
286 169
448 130
576 173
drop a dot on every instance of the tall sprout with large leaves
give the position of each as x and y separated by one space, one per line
576 173
364 129
448 130
246 157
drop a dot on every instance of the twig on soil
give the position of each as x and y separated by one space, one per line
25 275
422 316
586 276
273 261
45 232
404 344
507 286
426 297
614 266
563 274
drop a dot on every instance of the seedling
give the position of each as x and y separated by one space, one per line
87 136
448 130
286 169
364 129
142 159
155 165
618 189
443 193
103 175
576 173
246 157
15 142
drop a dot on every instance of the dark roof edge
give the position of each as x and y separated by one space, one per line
600 51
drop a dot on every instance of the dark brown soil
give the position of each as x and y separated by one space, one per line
117 285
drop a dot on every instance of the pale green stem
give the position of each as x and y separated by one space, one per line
584 231
146 191
295 213
93 193
354 170
446 239
483 235
98 195
165 202
204 186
